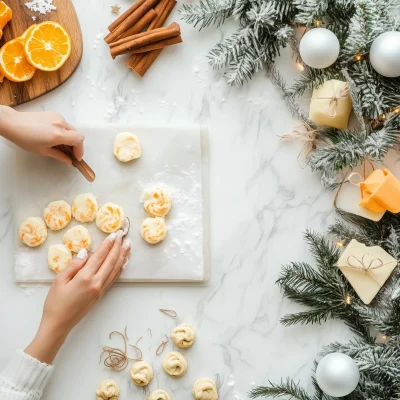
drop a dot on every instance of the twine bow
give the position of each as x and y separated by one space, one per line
331 110
355 263
310 137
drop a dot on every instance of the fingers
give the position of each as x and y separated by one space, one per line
122 260
112 258
98 258
74 267
58 155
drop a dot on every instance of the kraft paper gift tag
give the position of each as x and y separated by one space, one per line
366 268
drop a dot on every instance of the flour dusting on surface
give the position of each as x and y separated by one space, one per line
41 6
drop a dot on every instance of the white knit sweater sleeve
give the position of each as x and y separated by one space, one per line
24 378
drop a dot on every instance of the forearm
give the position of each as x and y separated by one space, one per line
5 122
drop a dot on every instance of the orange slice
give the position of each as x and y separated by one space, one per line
5 14
14 63
1 33
27 32
48 46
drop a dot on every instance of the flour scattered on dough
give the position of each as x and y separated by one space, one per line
41 6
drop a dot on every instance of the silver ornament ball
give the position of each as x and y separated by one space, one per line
319 48
337 375
385 54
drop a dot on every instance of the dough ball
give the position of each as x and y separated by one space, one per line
141 373
110 218
175 364
127 147
157 202
85 207
33 232
183 336
153 230
159 395
107 390
77 238
58 257
57 215
205 389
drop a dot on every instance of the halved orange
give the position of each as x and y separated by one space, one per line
14 63
48 46
27 32
5 14
1 33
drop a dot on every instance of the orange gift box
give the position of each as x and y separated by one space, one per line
381 192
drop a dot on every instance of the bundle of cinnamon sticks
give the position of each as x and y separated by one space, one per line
139 31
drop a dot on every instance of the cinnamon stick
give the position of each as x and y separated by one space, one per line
146 38
141 24
160 8
126 14
140 63
157 45
128 39
131 20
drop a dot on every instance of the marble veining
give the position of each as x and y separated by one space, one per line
262 201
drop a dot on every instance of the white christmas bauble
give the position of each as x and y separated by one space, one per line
385 54
319 48
337 375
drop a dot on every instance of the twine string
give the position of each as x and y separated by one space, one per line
161 347
170 313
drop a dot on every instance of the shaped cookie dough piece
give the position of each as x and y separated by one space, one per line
183 336
157 202
107 390
85 207
58 257
175 364
110 218
127 147
205 389
77 238
159 395
153 230
57 215
33 232
141 373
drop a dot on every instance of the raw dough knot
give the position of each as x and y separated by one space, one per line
175 364
157 202
107 390
183 336
159 395
205 389
141 373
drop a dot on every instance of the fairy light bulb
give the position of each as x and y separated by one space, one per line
317 22
300 66
358 57
339 244
348 299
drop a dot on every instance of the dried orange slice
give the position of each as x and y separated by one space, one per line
48 46
27 32
13 62
5 14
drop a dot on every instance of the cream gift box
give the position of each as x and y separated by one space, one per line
331 104
366 268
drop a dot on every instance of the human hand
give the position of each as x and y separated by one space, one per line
39 132
75 291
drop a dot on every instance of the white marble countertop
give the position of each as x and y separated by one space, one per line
261 203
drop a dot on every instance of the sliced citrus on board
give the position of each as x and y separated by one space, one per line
13 62
48 46
5 14
27 32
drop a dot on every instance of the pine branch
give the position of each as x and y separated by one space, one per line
207 12
289 389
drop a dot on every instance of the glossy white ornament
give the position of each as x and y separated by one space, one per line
385 54
337 375
319 48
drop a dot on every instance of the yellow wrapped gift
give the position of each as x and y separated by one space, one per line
331 104
381 192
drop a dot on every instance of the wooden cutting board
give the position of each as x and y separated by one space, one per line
11 93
